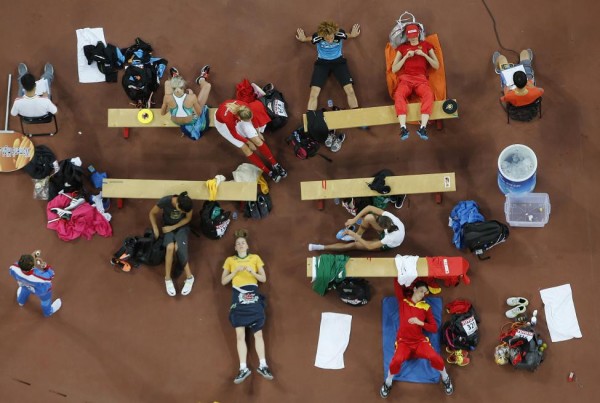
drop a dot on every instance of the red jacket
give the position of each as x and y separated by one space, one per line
408 332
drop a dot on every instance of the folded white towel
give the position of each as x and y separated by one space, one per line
407 269
334 337
246 173
560 313
89 73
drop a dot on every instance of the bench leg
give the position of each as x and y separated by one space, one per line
126 132
119 203
438 198
439 124
320 204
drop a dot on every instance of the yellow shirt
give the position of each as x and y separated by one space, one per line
243 277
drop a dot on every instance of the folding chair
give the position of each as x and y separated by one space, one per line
40 120
524 113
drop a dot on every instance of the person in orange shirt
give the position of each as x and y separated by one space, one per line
525 91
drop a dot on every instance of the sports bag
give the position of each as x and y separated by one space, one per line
316 125
213 220
482 236
304 145
378 183
150 251
139 82
354 291
523 347
461 331
276 106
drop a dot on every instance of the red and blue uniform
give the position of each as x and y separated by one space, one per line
35 281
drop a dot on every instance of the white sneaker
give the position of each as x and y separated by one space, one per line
330 138
516 311
187 286
170 288
514 301
337 143
56 305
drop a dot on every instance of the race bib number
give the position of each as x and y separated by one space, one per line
524 334
469 325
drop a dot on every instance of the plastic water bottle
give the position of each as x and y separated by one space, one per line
330 103
336 201
234 215
534 318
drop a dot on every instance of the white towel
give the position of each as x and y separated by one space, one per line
246 173
334 336
407 269
560 313
89 73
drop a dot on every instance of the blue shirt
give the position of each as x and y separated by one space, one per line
37 281
329 51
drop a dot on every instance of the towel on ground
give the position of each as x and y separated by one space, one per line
89 73
334 336
560 313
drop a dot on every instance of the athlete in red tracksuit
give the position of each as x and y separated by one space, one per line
415 317
410 65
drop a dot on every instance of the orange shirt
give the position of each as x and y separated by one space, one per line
533 93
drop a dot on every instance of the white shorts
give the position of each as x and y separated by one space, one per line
246 129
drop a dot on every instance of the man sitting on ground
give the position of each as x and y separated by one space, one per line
388 226
525 91
176 215
410 65
415 317
31 103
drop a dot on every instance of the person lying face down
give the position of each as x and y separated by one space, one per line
410 65
389 228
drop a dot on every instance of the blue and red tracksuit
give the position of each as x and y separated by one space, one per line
410 340
36 281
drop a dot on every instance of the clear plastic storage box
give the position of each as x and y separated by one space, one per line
527 209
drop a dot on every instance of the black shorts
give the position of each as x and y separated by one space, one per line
180 237
323 68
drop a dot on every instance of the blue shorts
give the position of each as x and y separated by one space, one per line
196 127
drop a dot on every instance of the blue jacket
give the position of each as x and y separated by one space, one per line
38 281
464 212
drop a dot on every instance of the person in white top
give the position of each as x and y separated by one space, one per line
31 103
388 226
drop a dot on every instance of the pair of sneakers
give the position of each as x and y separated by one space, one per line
277 173
204 71
385 390
458 357
334 141
421 131
519 306
48 70
245 373
187 286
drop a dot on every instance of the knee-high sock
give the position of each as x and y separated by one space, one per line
255 159
264 150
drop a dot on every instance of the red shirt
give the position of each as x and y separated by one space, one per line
225 116
416 65
408 332
533 93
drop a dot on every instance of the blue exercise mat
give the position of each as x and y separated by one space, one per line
416 370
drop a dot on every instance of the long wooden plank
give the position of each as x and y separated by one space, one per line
373 267
407 184
155 189
128 118
379 115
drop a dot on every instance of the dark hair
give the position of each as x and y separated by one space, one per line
419 284
26 262
520 79
28 81
386 223
240 233
184 202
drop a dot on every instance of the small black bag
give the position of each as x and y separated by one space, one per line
317 127
305 146
378 183
276 107
42 164
461 331
354 291
214 220
481 236
150 251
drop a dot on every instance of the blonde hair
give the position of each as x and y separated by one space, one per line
241 111
327 28
240 233
177 83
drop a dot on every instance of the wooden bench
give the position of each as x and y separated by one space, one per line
379 115
155 189
406 184
128 118
386 267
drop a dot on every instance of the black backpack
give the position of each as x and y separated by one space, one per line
148 250
316 125
69 179
214 220
354 291
276 107
378 183
481 236
260 208
304 145
461 331
139 82
42 164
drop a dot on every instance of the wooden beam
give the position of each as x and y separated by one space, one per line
373 267
407 184
155 189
